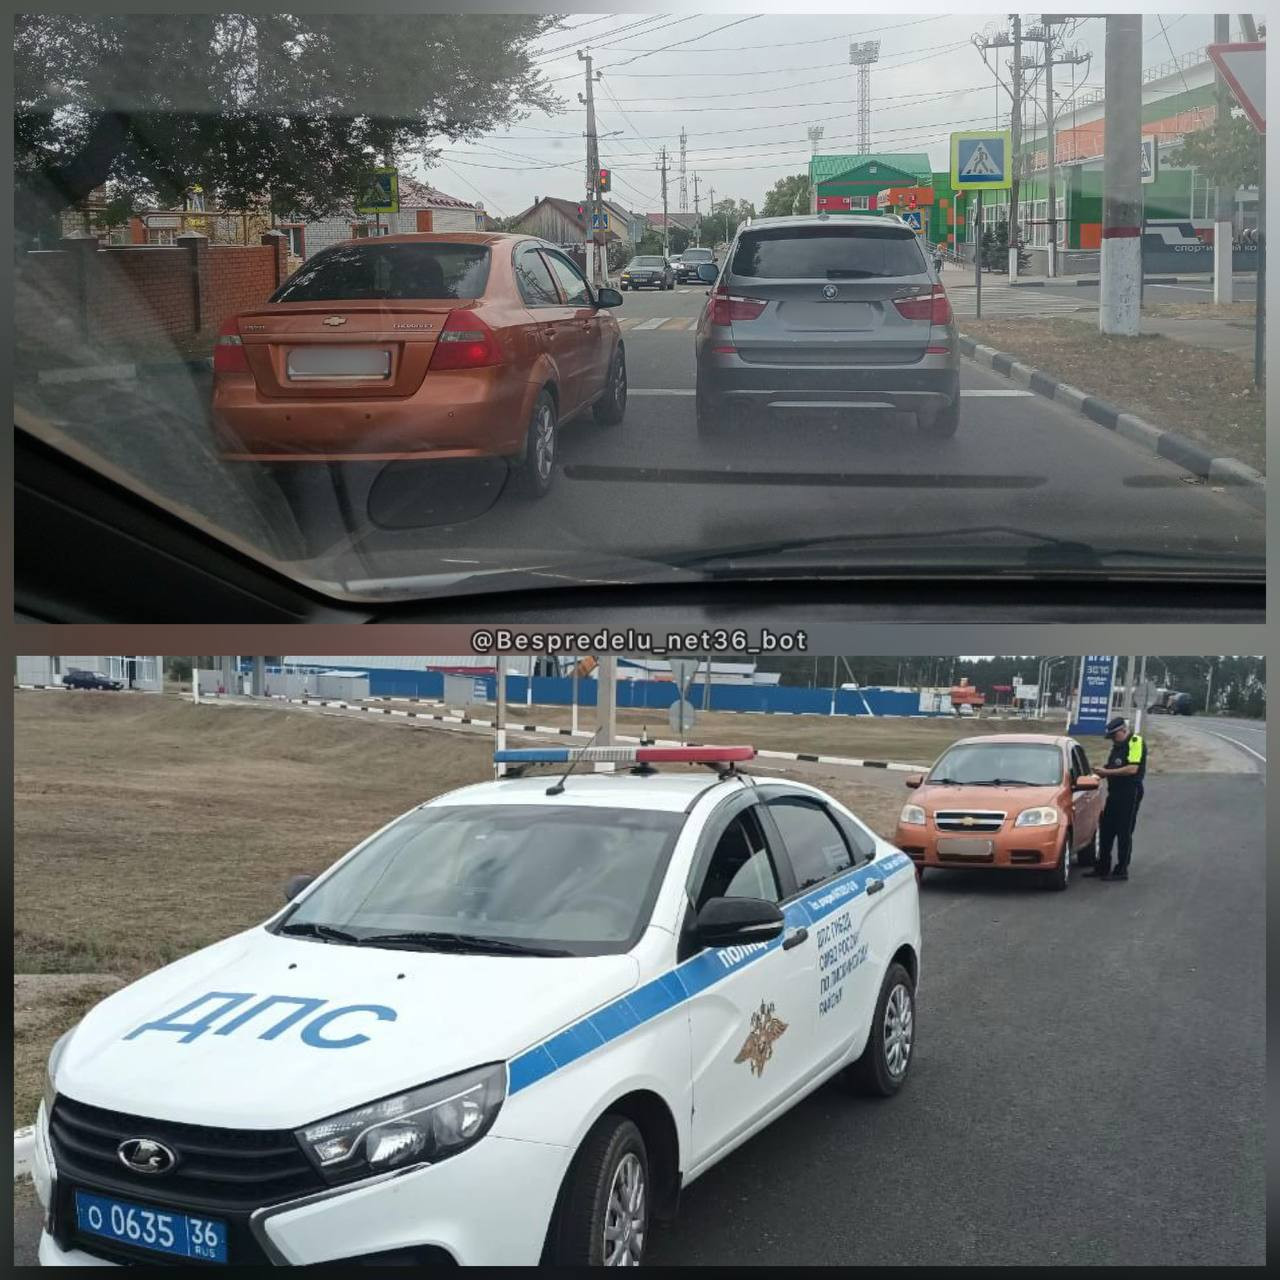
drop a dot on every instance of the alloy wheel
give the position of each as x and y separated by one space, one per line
898 1030
624 1218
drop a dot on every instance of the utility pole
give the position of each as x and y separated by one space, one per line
684 180
711 209
1122 189
697 208
1054 55
1015 145
666 222
607 707
1224 197
1208 691
1250 30
593 171
1142 702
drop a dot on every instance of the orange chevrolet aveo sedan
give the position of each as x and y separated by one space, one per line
417 348
1017 802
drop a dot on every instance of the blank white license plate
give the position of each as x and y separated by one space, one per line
965 848
830 317
339 362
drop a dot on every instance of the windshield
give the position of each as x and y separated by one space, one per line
340 302
573 879
399 271
973 764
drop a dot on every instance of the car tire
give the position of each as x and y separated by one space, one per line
1059 877
607 1190
892 1038
609 410
539 467
942 424
1088 856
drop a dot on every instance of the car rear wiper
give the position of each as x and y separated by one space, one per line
469 942
308 928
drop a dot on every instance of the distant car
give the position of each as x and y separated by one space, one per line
690 261
1015 802
416 347
648 272
834 312
77 679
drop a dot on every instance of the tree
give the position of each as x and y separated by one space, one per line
995 249
1227 152
281 108
724 219
782 198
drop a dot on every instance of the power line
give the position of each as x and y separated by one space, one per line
792 44
691 40
551 55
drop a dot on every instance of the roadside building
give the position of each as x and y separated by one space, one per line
566 223
142 673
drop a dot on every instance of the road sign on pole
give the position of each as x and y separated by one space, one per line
981 161
682 671
912 218
1150 158
379 192
600 221
1244 68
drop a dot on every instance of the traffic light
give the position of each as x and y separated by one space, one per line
604 179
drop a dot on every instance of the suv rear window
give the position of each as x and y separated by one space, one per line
699 255
828 253
399 271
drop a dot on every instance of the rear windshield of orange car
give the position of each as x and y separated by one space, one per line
828 253
403 272
1000 763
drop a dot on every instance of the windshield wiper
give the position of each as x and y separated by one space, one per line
467 942
1003 782
307 928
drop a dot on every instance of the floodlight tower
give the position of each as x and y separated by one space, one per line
861 55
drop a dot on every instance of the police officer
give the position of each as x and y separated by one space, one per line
1124 771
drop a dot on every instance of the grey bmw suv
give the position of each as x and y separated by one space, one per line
827 312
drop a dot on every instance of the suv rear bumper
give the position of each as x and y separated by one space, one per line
930 384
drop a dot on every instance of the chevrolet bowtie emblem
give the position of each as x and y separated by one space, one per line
335 320
967 820
757 1049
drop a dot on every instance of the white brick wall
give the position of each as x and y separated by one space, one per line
326 231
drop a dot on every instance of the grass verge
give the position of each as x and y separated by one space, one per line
1206 395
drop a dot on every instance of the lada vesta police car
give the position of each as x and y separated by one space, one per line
506 1028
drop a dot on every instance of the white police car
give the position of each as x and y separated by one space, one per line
506 1028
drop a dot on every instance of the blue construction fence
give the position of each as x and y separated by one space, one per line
656 694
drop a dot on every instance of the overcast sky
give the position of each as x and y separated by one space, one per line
746 90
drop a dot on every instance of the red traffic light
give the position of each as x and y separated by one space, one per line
604 179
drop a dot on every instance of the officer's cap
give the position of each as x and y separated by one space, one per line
1118 722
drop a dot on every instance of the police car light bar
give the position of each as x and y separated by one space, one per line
624 755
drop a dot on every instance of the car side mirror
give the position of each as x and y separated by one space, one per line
738 922
708 272
607 297
295 885
1087 782
913 780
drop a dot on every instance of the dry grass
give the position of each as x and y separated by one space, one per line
1205 395
1202 310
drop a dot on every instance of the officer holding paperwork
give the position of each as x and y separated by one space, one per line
1124 771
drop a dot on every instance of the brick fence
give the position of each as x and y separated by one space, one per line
86 292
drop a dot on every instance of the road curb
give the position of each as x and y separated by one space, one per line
24 1146
1247 483
896 766
1092 282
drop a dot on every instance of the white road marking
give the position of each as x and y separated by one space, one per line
651 324
1238 743
682 391
1193 288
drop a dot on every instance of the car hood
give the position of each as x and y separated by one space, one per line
393 1019
933 797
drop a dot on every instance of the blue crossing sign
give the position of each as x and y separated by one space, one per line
912 218
600 221
980 161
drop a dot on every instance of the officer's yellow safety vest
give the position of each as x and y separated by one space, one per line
1135 750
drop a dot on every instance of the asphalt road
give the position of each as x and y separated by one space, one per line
649 491
1248 737
1088 1086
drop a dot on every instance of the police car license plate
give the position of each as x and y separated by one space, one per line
147 1227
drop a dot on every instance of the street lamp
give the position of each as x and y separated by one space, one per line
1208 691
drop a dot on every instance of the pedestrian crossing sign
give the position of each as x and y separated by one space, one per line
980 161
1149 153
378 192
600 221
912 218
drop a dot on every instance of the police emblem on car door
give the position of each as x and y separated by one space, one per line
757 1049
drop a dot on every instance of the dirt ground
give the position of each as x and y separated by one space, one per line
143 808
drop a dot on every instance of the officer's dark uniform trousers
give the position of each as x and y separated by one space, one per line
1120 813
